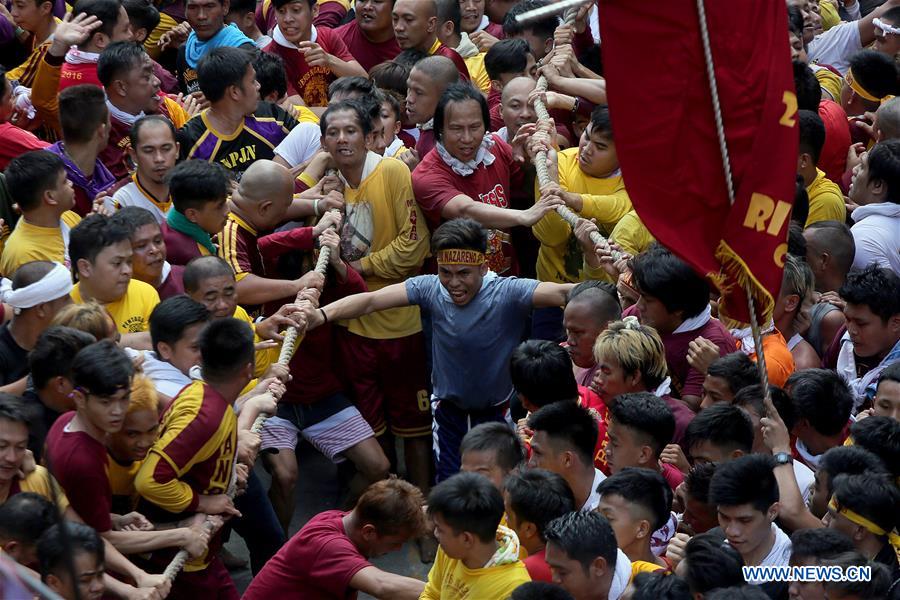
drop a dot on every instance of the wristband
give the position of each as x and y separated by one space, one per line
324 316
316 207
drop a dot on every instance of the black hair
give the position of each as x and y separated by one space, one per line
102 369
644 488
876 586
222 68
358 85
243 7
849 460
202 268
468 502
753 397
391 98
601 290
737 592
82 109
134 134
409 57
819 543
567 423
463 233
796 241
737 369
875 287
884 166
459 92
94 233
659 585
106 11
117 60
600 122
54 352
540 590
363 116
142 14
542 372
584 536
648 415
449 10
498 438
838 240
724 426
822 398
697 481
25 516
270 73
891 372
172 317
745 480
540 28
881 437
57 547
31 174
661 274
812 134
193 183
799 212
12 408
133 218
875 72
279 3
391 76
711 563
809 92
538 496
795 21
872 496
225 346
506 56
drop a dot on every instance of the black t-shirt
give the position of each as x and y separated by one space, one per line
188 82
40 419
13 358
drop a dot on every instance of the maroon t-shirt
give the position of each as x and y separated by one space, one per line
173 284
368 54
833 158
435 184
180 249
311 83
78 462
316 564
683 417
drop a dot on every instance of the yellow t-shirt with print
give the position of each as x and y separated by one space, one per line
826 202
604 199
449 578
39 482
29 242
389 231
478 73
131 312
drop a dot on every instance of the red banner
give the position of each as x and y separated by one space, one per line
665 131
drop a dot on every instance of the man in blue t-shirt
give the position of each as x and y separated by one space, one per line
477 318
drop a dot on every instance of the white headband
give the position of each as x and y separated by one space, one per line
885 27
55 284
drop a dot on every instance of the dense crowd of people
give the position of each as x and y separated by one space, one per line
539 415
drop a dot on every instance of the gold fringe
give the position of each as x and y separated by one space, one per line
735 270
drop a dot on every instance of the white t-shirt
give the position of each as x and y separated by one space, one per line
131 195
876 232
166 378
805 479
593 500
835 46
301 143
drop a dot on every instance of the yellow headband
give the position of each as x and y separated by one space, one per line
892 536
460 256
854 85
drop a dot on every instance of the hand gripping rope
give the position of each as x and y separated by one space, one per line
284 357
540 109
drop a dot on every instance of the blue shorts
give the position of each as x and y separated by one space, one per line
450 425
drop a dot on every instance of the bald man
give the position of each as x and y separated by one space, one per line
260 205
427 81
416 26
591 307
514 107
829 253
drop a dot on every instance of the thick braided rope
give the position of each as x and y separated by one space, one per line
540 159
726 168
287 351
